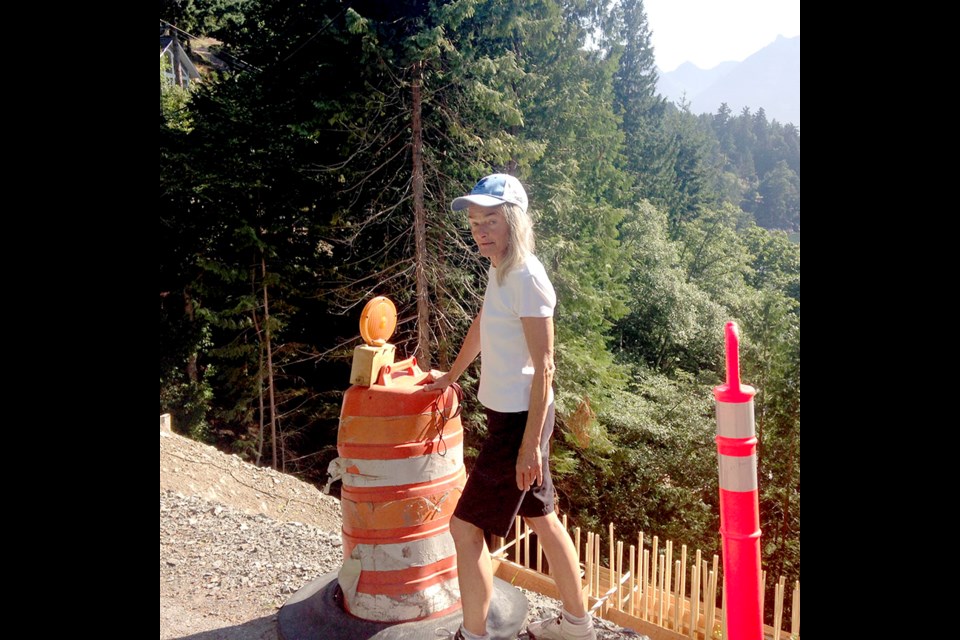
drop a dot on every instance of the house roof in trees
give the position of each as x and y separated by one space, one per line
173 47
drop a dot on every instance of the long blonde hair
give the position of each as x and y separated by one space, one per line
522 242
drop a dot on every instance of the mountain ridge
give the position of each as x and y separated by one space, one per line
768 79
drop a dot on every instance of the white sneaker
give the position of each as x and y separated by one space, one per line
557 628
454 635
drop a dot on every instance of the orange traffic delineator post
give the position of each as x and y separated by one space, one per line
739 498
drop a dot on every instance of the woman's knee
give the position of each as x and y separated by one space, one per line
545 525
465 533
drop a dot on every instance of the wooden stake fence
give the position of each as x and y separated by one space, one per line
647 594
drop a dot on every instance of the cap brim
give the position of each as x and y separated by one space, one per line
481 199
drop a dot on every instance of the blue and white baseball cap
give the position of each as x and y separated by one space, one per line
492 191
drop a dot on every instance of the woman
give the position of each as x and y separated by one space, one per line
514 332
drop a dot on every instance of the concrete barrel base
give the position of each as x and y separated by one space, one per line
316 612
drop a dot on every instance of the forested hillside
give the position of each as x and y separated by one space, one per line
318 172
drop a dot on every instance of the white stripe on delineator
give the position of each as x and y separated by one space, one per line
735 420
416 470
738 473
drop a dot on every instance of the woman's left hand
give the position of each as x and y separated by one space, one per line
438 381
529 466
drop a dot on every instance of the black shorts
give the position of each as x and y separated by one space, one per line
491 499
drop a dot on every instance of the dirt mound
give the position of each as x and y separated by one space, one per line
195 469
236 541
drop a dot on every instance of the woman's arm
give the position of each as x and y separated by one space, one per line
539 335
469 351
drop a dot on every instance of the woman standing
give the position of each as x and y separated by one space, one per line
511 476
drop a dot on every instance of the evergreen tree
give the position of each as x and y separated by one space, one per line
692 171
203 17
649 151
246 208
293 192
771 363
779 199
672 324
757 166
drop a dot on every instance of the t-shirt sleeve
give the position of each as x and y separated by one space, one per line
536 297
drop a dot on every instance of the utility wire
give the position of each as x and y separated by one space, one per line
292 53
307 41
241 64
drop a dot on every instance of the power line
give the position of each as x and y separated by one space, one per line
307 41
241 64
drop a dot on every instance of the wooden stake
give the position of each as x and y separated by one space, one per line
588 563
619 574
576 542
695 598
646 583
795 616
677 595
668 568
660 589
714 576
709 606
526 544
763 589
705 584
516 529
723 622
610 563
654 562
642 574
778 606
633 579
503 549
683 583
596 563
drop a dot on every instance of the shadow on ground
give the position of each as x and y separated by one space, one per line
260 629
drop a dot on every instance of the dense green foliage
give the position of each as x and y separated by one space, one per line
289 196
758 166
203 17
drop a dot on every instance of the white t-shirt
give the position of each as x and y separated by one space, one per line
506 368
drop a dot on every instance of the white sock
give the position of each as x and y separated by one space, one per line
575 621
472 636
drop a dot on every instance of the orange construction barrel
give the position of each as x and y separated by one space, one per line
401 462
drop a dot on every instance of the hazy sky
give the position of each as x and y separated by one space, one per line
708 32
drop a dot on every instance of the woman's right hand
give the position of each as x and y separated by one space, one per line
438 380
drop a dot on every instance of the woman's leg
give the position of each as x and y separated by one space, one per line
475 574
562 557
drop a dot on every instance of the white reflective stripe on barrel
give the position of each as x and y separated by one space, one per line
403 555
413 606
735 419
416 470
738 473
